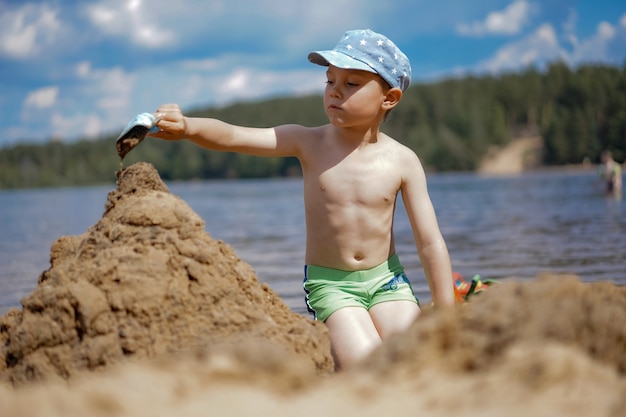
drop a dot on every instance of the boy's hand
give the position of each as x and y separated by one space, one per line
172 123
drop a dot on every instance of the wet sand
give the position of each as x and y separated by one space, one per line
146 314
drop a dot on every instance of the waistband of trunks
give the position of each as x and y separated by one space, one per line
319 272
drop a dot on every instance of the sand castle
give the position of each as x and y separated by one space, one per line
144 281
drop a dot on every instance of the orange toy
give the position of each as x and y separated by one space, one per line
463 289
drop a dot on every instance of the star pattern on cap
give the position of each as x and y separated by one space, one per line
377 52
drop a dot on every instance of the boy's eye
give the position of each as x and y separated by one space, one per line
347 83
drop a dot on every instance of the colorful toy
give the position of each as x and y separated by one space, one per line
463 289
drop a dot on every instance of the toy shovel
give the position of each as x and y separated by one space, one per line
135 132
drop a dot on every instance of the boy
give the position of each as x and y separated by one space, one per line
352 173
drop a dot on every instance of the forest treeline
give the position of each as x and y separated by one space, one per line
451 125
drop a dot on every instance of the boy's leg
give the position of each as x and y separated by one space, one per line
391 317
352 335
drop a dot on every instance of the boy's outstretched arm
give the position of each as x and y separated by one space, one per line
431 246
217 135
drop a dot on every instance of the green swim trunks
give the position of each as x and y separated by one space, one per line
327 290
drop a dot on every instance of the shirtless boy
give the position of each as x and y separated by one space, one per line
352 174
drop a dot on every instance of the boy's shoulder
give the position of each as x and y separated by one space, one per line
302 131
402 154
397 145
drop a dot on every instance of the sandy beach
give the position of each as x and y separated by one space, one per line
146 314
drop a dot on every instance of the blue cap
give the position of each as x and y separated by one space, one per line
368 51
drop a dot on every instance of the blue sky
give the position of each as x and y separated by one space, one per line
81 69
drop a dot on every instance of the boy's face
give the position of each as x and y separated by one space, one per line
353 96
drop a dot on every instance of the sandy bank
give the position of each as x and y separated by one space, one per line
516 157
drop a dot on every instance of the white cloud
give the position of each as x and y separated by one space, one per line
327 22
569 27
506 22
221 85
84 125
42 98
112 59
159 23
218 82
99 99
111 92
132 19
594 49
539 47
207 64
115 95
116 88
542 47
605 30
251 83
83 69
26 30
237 82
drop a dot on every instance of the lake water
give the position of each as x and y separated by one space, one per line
498 227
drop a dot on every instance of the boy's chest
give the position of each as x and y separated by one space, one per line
359 180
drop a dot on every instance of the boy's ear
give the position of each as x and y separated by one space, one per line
392 98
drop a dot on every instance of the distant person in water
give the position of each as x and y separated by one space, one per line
611 173
353 173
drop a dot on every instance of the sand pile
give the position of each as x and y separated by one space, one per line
144 281
554 346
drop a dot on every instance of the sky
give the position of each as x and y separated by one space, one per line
74 70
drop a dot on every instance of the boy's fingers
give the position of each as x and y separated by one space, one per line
168 130
164 135
168 120
168 115
163 115
168 107
164 109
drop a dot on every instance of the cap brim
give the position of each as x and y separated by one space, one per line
339 60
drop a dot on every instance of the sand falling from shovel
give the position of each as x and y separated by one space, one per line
132 135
